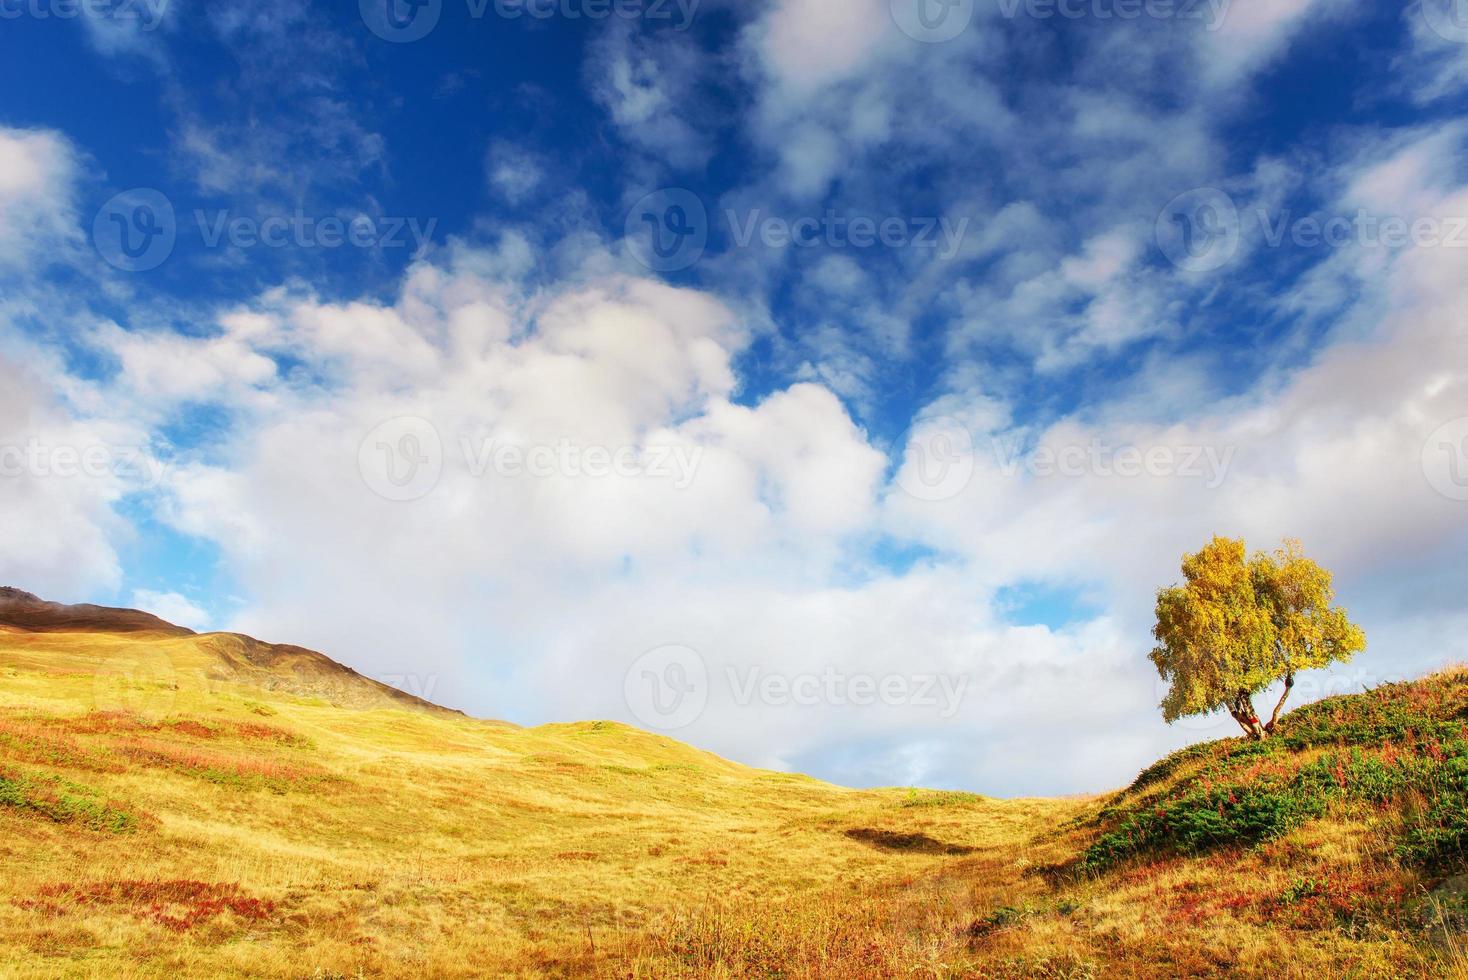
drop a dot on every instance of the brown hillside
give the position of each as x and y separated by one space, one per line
181 657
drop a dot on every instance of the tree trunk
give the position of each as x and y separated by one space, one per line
1274 718
1242 709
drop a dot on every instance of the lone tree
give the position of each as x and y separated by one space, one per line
1238 625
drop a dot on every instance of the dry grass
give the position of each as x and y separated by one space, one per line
279 836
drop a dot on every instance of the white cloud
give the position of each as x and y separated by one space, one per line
173 608
38 217
60 478
805 44
1252 32
513 171
651 89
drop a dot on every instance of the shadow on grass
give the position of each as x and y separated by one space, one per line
888 840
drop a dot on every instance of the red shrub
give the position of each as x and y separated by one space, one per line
178 905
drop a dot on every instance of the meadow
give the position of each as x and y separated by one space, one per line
167 809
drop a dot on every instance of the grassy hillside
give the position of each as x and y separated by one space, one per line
166 809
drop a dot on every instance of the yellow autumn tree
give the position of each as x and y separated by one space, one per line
1238 625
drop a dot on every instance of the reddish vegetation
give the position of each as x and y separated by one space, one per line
83 742
199 762
23 741
177 905
187 726
266 733
103 723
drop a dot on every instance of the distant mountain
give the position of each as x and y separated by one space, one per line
33 614
229 657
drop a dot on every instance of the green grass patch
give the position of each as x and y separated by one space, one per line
916 799
61 801
1402 746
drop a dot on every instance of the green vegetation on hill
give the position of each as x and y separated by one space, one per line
1401 749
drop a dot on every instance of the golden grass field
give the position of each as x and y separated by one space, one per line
158 818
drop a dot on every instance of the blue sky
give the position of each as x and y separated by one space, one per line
965 320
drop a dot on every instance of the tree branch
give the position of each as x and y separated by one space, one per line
1274 719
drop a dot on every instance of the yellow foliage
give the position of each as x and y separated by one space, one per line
1238 625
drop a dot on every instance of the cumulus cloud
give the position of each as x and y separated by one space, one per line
804 44
172 607
61 477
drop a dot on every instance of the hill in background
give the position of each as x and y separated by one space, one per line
175 803
127 641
